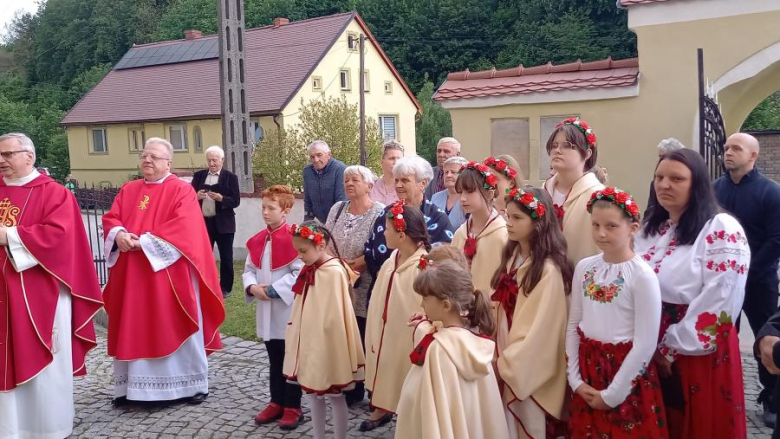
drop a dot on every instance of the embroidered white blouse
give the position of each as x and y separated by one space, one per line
614 303
709 276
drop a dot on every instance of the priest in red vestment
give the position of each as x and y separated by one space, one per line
49 294
163 298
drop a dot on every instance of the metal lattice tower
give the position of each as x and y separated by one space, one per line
236 135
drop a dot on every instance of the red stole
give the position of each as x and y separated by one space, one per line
49 223
152 314
282 250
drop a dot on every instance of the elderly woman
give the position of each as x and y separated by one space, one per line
448 200
701 257
350 225
412 175
384 188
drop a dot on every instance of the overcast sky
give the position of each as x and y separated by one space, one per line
9 8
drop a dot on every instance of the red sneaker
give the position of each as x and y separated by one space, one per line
270 414
291 419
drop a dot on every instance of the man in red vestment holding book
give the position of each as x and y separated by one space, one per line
163 298
49 293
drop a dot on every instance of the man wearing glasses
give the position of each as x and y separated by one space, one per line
50 295
163 297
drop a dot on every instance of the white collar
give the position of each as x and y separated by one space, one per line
22 181
158 181
215 173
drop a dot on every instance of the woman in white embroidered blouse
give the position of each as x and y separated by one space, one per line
612 334
701 258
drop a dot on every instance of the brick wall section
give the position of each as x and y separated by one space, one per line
769 157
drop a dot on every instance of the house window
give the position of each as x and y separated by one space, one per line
353 42
366 81
177 135
387 126
136 138
316 83
511 136
99 141
259 134
198 138
345 82
388 88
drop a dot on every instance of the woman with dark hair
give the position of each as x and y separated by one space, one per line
573 153
701 258
531 285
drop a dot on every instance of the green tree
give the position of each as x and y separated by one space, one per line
279 159
766 115
434 124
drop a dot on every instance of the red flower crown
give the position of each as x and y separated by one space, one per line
307 232
501 166
528 200
396 213
619 198
587 131
491 181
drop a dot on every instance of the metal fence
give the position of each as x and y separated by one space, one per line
94 202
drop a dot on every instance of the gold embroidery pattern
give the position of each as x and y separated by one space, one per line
8 213
145 203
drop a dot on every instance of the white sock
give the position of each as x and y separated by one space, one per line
317 406
338 405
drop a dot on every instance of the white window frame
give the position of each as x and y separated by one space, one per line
197 138
385 135
92 131
316 83
388 87
355 46
132 138
183 129
345 77
367 81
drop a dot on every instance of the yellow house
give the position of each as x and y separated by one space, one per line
170 89
632 104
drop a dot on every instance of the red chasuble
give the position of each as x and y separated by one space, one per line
49 223
150 315
282 250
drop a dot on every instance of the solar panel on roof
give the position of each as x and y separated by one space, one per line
182 51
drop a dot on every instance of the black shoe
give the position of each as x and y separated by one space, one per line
197 399
120 401
369 425
355 395
768 417
226 294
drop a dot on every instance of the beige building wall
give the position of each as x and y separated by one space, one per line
628 129
378 102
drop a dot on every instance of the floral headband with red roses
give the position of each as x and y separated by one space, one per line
491 181
424 263
396 213
529 201
307 232
587 131
621 199
501 166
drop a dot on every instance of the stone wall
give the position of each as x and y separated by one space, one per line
769 157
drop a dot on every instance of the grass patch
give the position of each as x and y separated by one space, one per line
240 317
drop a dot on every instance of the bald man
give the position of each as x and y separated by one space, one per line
755 201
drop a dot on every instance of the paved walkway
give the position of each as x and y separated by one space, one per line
238 386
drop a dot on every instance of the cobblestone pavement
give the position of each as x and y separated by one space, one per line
238 390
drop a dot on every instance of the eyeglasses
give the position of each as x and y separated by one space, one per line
152 157
563 146
8 154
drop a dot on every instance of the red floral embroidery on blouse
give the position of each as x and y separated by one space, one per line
728 264
650 253
601 293
728 237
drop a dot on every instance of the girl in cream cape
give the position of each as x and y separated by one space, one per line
531 288
322 344
388 338
483 236
573 153
451 389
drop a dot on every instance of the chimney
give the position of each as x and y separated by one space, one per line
192 34
280 21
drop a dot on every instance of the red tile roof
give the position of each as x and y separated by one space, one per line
279 60
545 78
640 2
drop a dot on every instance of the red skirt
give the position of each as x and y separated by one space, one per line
704 396
641 415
